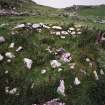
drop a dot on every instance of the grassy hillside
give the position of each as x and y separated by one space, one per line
26 6
35 87
92 11
87 10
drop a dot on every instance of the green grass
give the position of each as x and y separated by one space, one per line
95 11
34 45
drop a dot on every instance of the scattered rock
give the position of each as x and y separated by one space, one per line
19 26
12 45
77 81
57 27
6 72
35 26
61 88
43 71
6 89
9 55
73 33
79 33
64 33
45 26
87 60
28 63
53 102
58 33
19 48
62 37
72 65
32 86
102 72
66 57
13 91
55 64
60 69
96 75
71 28
2 39
9 61
1 57
90 64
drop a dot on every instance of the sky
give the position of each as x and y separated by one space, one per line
68 3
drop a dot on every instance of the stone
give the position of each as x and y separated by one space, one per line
55 64
35 26
58 33
90 64
1 57
87 60
28 63
71 28
77 81
78 25
54 102
39 30
13 33
13 91
66 57
6 72
73 33
29 24
96 75
62 37
6 89
19 48
9 60
60 51
72 65
102 72
61 88
69 31
12 45
60 69
20 26
43 71
78 29
32 86
2 39
64 32
79 33
9 55
45 26
57 27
